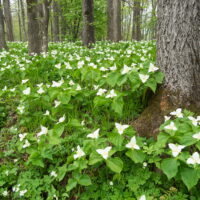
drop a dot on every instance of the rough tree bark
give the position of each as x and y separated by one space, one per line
136 32
8 20
178 55
56 28
2 31
114 20
34 36
23 19
88 19
43 11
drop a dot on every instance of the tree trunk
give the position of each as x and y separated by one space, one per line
19 21
2 31
43 10
88 19
34 37
114 20
56 31
23 19
178 55
8 19
136 33
63 28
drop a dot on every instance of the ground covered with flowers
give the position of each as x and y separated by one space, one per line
65 127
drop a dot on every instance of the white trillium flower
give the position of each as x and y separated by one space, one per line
94 135
125 70
79 153
176 149
62 119
12 90
171 126
167 118
22 193
113 68
143 197
57 103
120 128
194 121
27 144
24 81
47 113
43 131
96 87
111 94
5 193
40 85
57 84
178 113
143 77
144 164
71 83
104 152
40 91
22 136
101 92
58 66
196 136
83 123
103 69
132 144
78 88
53 173
27 91
152 68
5 88
194 159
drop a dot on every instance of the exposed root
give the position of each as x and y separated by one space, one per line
160 105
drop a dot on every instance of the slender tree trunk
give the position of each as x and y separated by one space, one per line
136 33
43 9
63 28
2 31
19 21
56 27
178 55
34 37
88 20
23 19
114 20
8 19
153 15
51 24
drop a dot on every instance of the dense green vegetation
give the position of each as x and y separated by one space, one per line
65 126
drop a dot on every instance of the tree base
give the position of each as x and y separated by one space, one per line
160 105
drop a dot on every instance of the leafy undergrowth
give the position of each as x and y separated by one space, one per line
64 127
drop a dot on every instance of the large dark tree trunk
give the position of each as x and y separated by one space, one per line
34 36
88 20
8 19
136 33
2 31
56 27
23 19
114 20
178 55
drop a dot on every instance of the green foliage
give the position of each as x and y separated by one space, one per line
70 136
